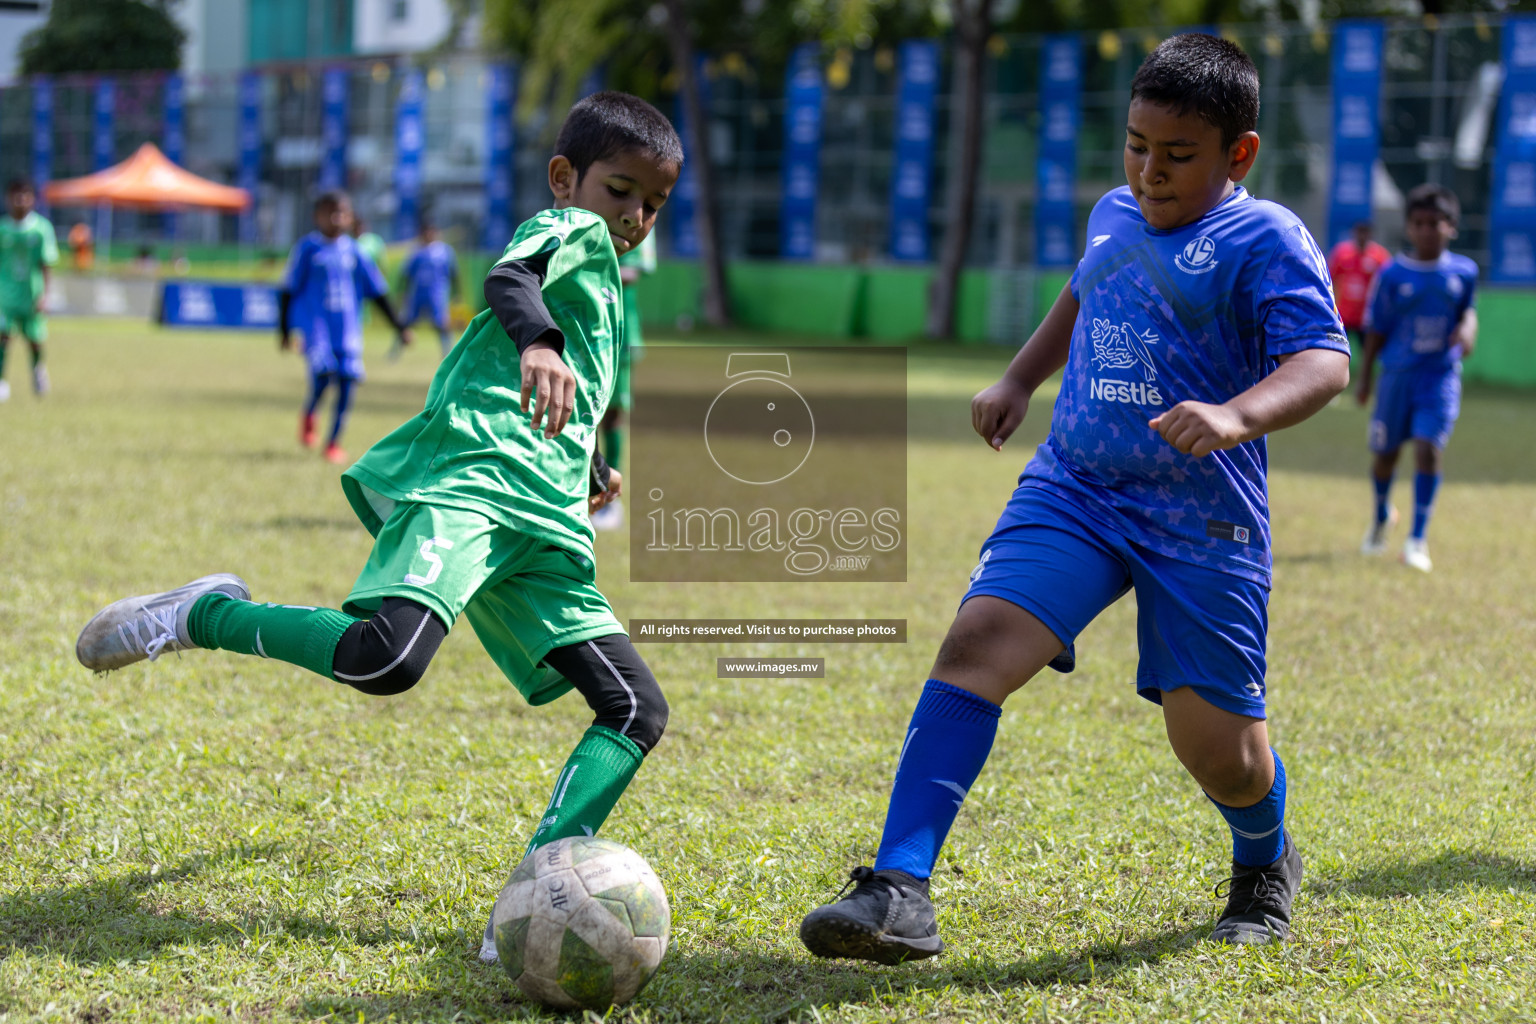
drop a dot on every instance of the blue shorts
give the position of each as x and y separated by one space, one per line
1195 626
1415 404
421 305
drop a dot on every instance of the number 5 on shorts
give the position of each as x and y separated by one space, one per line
432 559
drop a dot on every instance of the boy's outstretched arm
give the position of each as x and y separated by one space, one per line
514 293
1371 344
997 412
1303 383
1464 336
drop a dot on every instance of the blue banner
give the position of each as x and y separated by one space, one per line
409 140
333 129
802 154
683 204
209 304
42 137
498 159
1512 214
105 110
912 176
1061 114
249 172
173 139
1356 123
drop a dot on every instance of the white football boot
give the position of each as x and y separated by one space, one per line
609 517
40 383
5 391
488 941
147 626
1375 542
1416 554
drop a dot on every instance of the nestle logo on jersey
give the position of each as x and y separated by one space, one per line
1120 347
1131 392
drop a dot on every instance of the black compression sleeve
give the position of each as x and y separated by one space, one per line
284 304
513 291
388 309
601 474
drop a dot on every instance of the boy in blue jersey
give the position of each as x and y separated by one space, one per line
431 280
1198 320
328 276
1421 321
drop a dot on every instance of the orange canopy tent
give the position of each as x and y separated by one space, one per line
147 180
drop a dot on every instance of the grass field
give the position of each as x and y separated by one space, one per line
226 839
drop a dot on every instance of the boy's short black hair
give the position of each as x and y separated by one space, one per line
606 124
331 199
16 185
1201 74
1437 199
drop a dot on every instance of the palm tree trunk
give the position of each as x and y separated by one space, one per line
717 309
973 22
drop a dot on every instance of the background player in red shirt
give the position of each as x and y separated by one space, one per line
1353 264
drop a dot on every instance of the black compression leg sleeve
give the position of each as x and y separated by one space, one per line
388 653
617 685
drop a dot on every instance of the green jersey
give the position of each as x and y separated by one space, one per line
26 247
472 446
642 257
373 247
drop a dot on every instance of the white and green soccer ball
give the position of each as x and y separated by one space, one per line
583 922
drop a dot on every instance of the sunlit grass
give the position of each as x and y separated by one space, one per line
222 838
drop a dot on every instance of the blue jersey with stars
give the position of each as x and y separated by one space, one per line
1198 313
428 273
1417 304
327 278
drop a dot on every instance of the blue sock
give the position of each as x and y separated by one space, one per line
1424 487
317 385
343 405
947 744
1258 833
1383 507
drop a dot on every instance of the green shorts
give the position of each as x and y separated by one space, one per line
30 324
523 596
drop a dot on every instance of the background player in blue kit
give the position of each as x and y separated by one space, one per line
430 279
328 276
1198 320
1421 321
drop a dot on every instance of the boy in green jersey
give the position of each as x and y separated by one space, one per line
28 251
479 507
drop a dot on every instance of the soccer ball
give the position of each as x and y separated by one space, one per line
582 922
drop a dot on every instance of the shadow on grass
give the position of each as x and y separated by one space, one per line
1452 869
745 986
114 919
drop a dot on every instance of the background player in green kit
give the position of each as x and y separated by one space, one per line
479 505
633 265
28 250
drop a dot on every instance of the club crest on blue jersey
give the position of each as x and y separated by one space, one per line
1198 257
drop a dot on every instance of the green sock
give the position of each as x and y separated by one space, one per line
594 777
302 636
613 446
4 345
